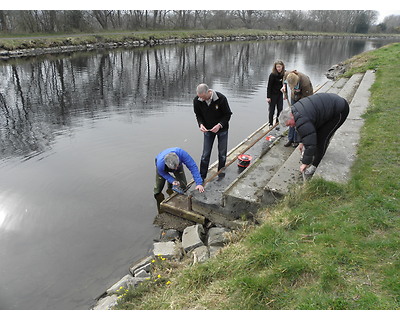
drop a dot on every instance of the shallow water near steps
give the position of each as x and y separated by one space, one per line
79 135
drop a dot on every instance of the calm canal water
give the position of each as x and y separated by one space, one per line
79 134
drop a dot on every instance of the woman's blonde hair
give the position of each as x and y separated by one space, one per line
292 80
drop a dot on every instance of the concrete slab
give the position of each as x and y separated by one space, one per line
272 171
210 201
247 193
337 86
214 199
287 175
342 150
325 87
360 102
350 87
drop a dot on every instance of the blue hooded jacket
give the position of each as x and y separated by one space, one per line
184 158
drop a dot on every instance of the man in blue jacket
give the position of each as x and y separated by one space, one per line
169 161
316 119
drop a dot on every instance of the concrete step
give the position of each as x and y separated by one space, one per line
337 86
211 204
349 89
342 151
289 174
246 193
325 87
228 195
274 168
286 176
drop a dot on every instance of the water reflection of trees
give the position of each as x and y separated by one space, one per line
41 98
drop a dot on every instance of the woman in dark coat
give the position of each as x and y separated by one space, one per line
316 119
274 93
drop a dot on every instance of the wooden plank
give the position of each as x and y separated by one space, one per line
183 213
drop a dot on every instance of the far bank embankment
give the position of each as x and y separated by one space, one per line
11 48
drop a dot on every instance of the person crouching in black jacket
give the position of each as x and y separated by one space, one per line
316 119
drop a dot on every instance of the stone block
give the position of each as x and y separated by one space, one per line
140 263
192 237
125 282
142 274
106 303
145 268
169 235
166 249
217 236
200 254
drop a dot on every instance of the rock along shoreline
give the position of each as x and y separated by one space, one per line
196 243
132 43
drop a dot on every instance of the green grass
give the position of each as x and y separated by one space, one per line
326 246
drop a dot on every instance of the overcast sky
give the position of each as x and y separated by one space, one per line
385 13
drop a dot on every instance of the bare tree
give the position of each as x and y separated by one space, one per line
181 18
392 23
246 16
49 21
102 17
3 20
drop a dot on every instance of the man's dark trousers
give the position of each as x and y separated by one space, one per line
209 138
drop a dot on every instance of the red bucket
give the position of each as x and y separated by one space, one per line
244 160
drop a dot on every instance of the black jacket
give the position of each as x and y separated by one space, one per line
311 113
275 84
210 115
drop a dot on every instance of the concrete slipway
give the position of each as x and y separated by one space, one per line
273 169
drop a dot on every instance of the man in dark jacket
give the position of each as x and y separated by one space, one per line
316 119
212 114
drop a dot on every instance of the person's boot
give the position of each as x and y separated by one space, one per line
288 144
159 198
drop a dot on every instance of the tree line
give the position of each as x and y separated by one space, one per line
59 21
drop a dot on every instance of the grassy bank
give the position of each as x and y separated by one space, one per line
325 246
29 41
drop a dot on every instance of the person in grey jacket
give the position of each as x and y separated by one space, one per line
316 119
